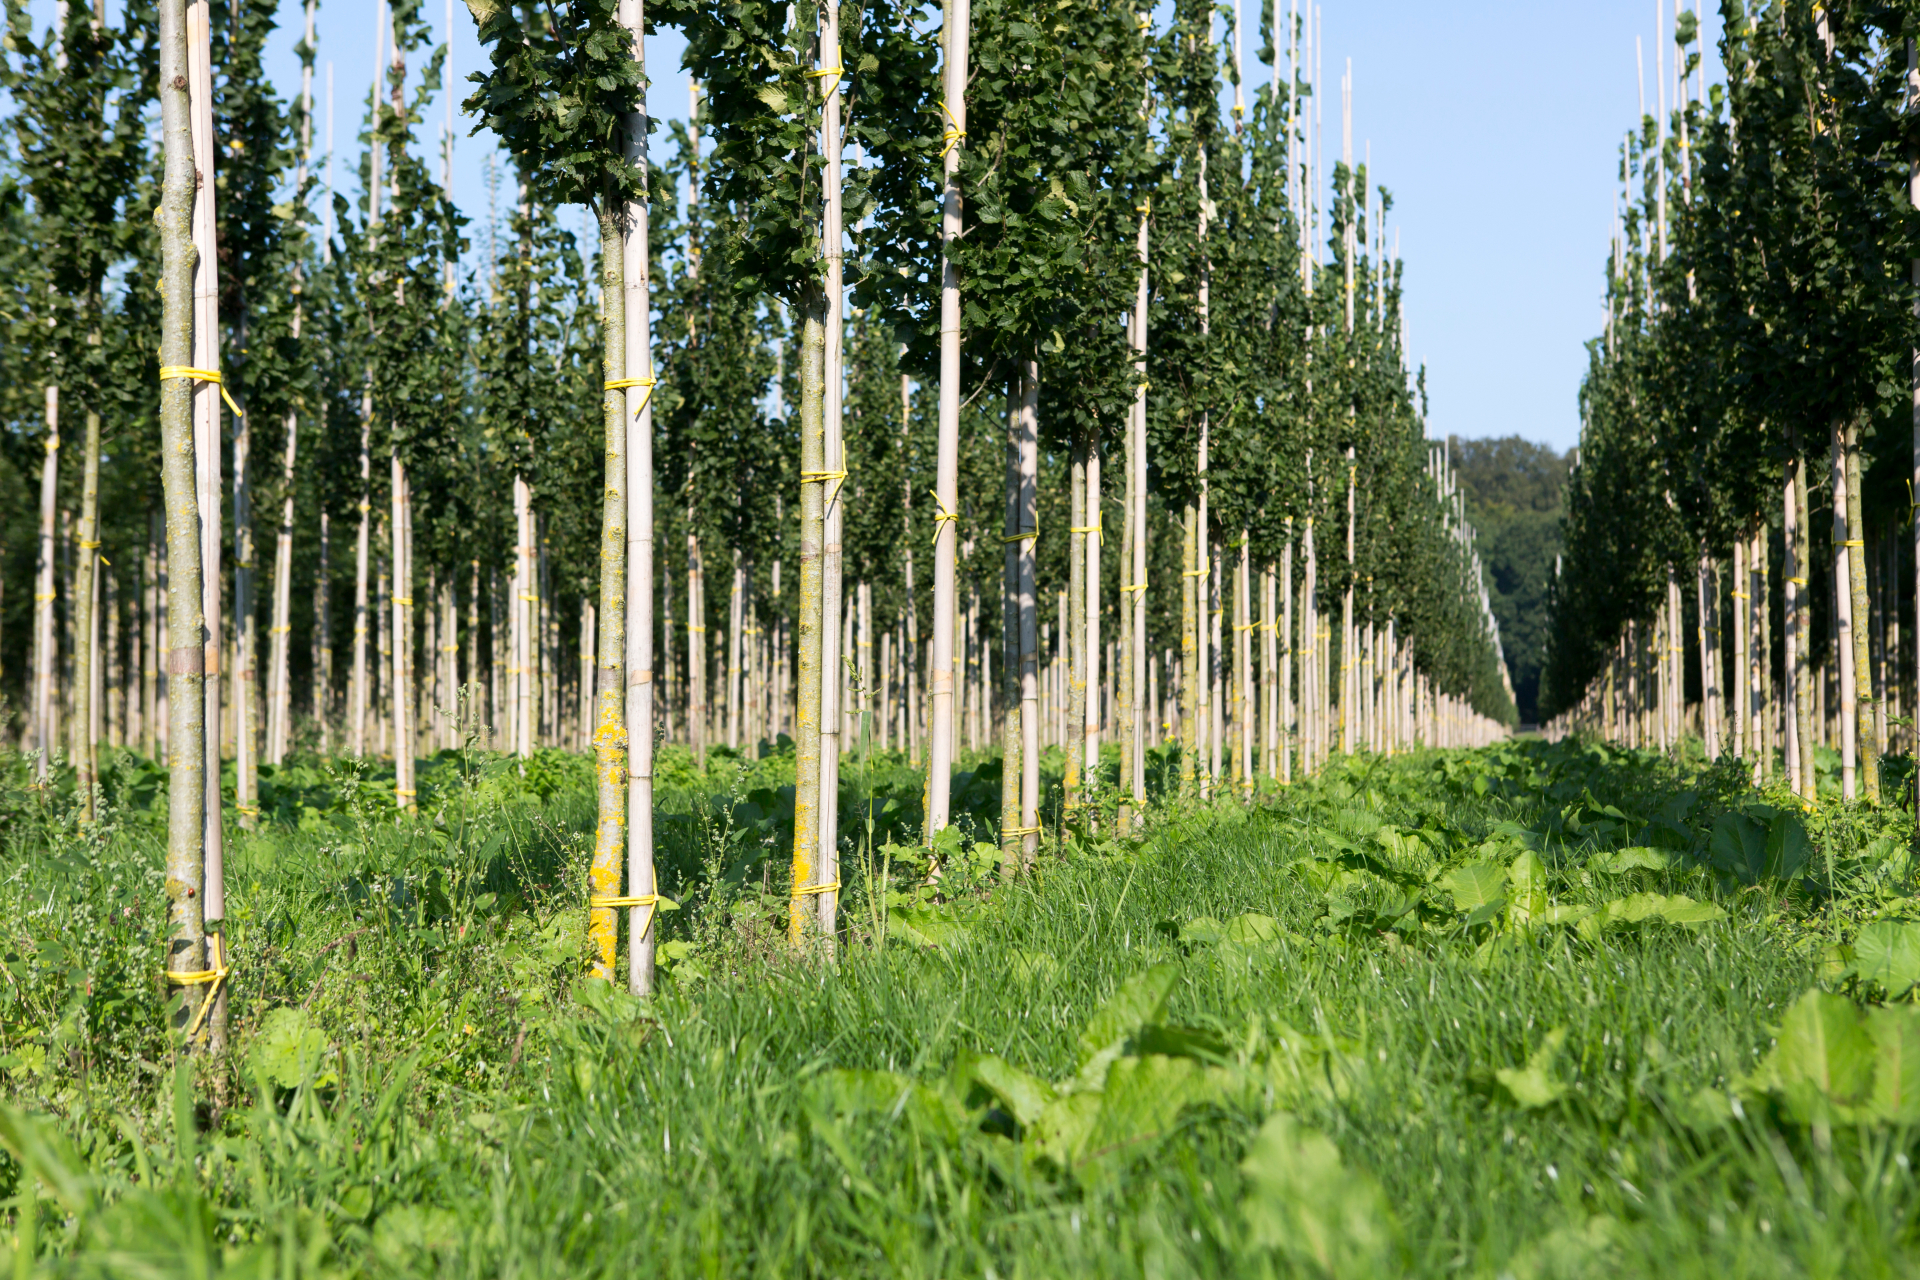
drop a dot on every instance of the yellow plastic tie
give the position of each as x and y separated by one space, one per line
250 810
953 132
1089 528
404 791
1033 533
1133 586
942 515
52 443
1019 831
406 601
89 545
1853 542
620 384
813 889
826 91
836 478
210 978
1798 581
192 374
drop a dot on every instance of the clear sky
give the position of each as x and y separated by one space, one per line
1496 125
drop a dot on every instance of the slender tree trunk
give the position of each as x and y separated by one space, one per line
279 669
45 653
245 705
1090 604
611 738
86 656
186 625
814 485
1289 730
360 688
401 683
1014 537
1073 632
1793 580
524 617
1192 701
1029 527
1843 598
1862 708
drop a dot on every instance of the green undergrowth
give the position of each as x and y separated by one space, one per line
1532 1010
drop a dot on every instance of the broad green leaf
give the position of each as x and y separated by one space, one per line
1478 884
1822 1061
1634 858
1138 1001
1739 847
1143 1100
1888 952
1896 1068
1788 849
1252 928
1302 1202
288 1050
1024 1096
1533 1085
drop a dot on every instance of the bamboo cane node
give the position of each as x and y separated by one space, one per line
808 891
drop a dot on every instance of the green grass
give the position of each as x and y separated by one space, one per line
1330 1034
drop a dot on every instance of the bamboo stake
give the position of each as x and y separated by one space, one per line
1793 584
1289 724
636 653
206 405
832 603
956 25
1143 713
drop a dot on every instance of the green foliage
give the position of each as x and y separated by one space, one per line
419 1083
562 83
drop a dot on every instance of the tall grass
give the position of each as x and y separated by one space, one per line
423 1084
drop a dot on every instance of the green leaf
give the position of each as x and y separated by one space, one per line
1896 1069
1140 1000
289 1050
1739 847
1478 884
1888 952
1822 1061
1533 1085
1024 1096
1302 1202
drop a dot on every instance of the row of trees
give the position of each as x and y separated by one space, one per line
1738 521
1029 314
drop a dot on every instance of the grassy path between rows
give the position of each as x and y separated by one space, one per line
1531 1011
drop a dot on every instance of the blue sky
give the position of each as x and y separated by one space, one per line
1495 125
